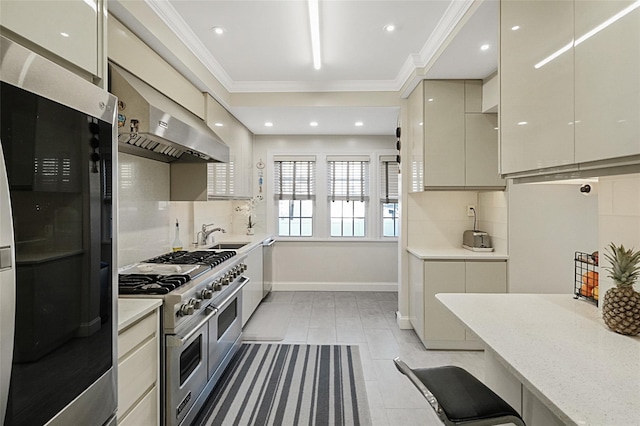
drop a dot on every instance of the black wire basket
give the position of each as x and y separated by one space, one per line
586 277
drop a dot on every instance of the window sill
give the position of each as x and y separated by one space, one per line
338 240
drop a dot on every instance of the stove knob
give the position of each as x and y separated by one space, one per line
217 286
243 267
206 293
186 309
226 280
236 272
196 303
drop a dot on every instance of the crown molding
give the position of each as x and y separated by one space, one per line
174 21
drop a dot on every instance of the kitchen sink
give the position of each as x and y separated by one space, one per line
228 246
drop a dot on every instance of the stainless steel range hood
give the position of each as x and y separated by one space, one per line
153 126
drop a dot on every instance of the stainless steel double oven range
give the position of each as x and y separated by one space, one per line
201 317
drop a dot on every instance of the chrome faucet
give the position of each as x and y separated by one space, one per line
202 236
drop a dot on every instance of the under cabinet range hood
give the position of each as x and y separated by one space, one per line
153 126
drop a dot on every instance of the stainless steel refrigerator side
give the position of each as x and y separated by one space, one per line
7 288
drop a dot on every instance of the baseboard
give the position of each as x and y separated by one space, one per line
334 286
403 322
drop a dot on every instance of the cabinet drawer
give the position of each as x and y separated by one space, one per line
130 337
146 413
137 372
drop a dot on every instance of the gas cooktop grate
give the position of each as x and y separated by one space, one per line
150 284
211 258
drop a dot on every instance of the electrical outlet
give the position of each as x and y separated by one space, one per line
470 209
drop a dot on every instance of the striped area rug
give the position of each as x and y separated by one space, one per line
271 384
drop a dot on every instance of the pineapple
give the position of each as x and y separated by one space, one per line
621 306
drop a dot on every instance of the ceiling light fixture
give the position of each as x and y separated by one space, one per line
485 47
268 124
314 24
218 124
64 34
515 28
313 124
218 30
359 124
389 28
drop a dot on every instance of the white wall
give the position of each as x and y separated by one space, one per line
547 224
618 219
325 263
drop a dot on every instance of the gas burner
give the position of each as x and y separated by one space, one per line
150 284
211 258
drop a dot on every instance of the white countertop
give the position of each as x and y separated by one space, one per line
454 253
131 310
560 349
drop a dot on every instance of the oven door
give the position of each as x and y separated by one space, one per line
186 369
225 331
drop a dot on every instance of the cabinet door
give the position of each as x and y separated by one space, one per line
442 277
67 28
252 292
444 159
415 138
481 151
416 295
536 84
607 61
485 277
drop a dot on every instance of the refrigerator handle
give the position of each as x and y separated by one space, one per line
7 288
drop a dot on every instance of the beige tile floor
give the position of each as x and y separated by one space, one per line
367 319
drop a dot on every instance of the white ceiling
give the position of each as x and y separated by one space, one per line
266 48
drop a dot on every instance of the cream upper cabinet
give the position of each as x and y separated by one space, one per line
536 84
69 29
460 142
238 174
607 82
444 158
415 138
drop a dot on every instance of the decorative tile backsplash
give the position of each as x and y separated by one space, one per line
437 219
147 219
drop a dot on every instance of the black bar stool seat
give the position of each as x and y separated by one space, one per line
458 398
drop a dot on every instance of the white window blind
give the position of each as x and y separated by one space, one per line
295 178
220 179
348 178
389 179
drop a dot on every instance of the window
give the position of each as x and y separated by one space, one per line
389 196
294 180
348 179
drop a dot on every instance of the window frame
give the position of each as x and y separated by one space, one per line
289 193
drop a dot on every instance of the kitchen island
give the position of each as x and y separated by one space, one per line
552 357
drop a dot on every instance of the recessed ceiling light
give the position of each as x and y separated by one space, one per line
430 100
218 124
219 30
420 123
64 34
389 28
523 123
359 123
515 28
268 124
313 124
485 47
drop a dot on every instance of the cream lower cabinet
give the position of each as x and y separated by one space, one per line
433 323
252 292
139 372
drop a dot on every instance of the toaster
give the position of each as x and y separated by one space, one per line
476 240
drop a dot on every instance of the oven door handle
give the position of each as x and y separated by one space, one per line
176 340
243 281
